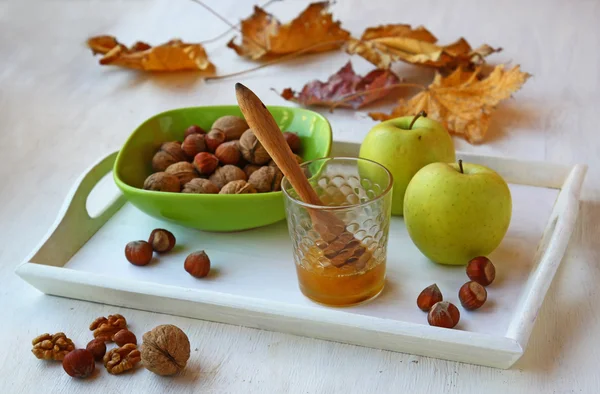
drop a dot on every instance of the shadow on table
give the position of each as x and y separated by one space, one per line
562 325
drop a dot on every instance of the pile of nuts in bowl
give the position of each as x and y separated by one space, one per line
228 159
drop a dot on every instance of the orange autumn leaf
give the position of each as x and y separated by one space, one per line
174 55
264 36
386 44
345 88
462 101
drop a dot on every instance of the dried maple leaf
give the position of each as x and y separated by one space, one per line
264 36
386 44
174 55
462 101
345 89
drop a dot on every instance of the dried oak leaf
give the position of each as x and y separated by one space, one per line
386 44
462 101
263 35
345 89
174 55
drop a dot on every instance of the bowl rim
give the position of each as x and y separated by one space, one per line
125 187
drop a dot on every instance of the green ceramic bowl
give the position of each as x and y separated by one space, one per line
210 212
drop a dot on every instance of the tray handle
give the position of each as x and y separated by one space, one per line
549 255
74 226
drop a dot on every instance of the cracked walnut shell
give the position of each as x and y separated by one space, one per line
238 187
107 327
165 350
266 179
252 150
52 347
121 359
224 175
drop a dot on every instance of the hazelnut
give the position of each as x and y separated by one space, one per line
472 295
252 149
138 252
197 264
162 182
183 170
168 153
293 141
249 169
238 187
228 153
123 337
214 138
193 144
79 363
481 270
232 126
200 186
266 179
443 314
429 296
224 175
193 129
205 163
162 240
97 347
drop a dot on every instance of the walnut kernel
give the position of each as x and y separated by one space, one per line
52 347
107 327
121 359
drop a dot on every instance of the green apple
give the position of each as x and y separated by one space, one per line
404 150
453 215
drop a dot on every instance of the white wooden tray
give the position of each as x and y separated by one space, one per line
253 282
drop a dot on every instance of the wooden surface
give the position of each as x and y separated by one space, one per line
60 111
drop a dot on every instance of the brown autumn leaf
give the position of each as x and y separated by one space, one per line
386 44
462 101
264 36
174 55
345 89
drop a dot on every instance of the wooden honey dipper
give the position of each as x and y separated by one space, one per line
338 245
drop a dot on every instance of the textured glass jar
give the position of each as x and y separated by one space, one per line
359 193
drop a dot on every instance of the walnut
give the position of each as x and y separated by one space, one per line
200 186
168 153
107 327
252 150
183 170
266 179
224 175
232 126
52 347
162 182
238 187
121 359
165 350
250 169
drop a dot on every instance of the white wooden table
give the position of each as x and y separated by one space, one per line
60 111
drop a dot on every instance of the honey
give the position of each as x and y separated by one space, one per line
339 286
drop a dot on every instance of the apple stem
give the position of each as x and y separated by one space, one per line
417 116
460 166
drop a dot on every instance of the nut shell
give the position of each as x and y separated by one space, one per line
252 149
97 347
138 252
200 186
193 129
205 163
428 297
214 138
249 169
79 363
228 153
481 270
194 144
162 182
197 264
472 295
224 175
165 350
123 337
168 153
162 240
238 187
443 314
299 160
183 170
232 126
293 141
266 179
